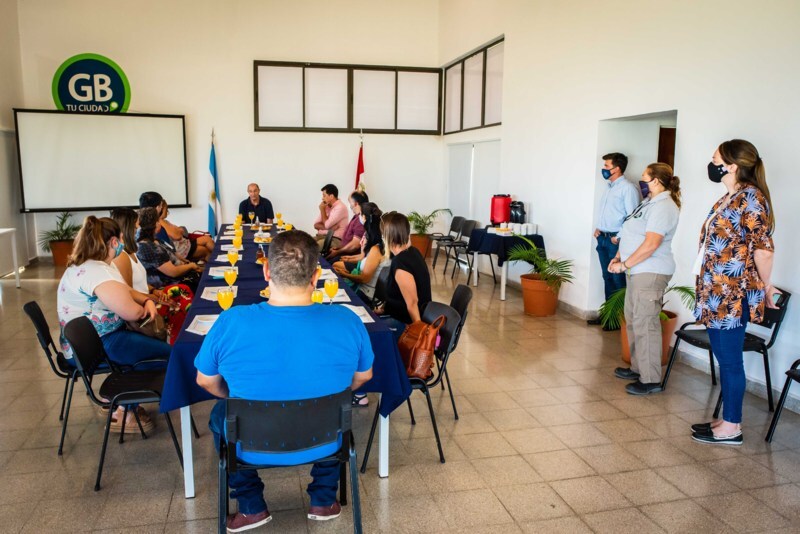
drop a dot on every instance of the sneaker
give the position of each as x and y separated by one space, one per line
734 439
702 428
324 513
626 374
240 522
639 388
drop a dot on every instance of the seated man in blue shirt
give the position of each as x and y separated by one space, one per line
260 206
247 354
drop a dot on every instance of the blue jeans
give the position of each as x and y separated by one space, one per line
126 348
248 489
727 347
607 250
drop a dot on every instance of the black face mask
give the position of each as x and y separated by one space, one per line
716 172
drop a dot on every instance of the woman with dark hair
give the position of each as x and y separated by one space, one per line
365 273
163 266
645 256
185 247
734 270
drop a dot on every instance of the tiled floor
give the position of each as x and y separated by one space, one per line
547 441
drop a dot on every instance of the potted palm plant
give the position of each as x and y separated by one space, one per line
59 241
612 315
421 229
541 285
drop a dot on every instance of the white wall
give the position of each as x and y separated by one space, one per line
195 57
723 65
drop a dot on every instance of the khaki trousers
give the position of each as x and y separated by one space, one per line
643 300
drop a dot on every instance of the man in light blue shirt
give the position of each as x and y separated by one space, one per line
619 200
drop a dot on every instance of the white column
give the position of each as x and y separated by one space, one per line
383 447
188 457
503 280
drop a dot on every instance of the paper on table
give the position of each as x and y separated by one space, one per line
219 272
210 293
202 324
327 274
362 313
227 237
223 258
341 296
230 247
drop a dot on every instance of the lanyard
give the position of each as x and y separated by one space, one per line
636 213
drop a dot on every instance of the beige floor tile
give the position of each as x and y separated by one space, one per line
450 476
644 487
696 480
409 514
785 463
658 453
683 516
559 465
200 526
533 440
555 414
484 445
746 473
134 509
743 512
489 402
783 499
622 521
597 411
469 423
405 481
610 458
65 515
581 435
533 397
560 525
516 419
666 426
532 502
464 509
514 382
548 379
590 494
424 451
637 406
625 430
505 471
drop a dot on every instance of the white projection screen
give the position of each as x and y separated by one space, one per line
84 162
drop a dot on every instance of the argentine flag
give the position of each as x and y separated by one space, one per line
214 206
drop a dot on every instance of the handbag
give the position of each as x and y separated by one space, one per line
156 328
417 345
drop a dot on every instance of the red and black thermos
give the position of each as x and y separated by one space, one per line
501 209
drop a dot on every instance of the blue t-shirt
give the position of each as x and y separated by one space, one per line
286 353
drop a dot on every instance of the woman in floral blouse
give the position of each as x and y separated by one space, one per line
733 268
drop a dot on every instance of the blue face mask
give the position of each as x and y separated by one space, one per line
118 249
644 187
606 173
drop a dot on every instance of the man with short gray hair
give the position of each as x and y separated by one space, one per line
257 204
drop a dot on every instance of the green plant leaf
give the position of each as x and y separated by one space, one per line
421 224
612 311
64 231
552 272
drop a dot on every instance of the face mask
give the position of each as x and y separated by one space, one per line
606 173
644 187
716 172
118 249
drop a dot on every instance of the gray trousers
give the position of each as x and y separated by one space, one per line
643 301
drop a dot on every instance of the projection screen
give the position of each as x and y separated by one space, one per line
84 162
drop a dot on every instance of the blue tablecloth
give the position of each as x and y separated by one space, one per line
180 387
482 242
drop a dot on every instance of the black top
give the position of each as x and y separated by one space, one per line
263 210
411 261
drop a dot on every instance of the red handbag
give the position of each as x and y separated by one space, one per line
417 347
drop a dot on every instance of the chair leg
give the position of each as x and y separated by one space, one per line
356 496
713 368
439 369
435 428
342 484
222 497
64 399
111 410
371 437
455 264
719 405
411 410
778 410
174 438
491 264
66 416
124 420
139 422
670 363
452 398
194 428
435 256
446 258
769 380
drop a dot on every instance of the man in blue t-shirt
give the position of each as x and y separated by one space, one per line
248 354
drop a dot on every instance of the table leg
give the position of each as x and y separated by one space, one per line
188 457
475 268
14 256
383 447
503 280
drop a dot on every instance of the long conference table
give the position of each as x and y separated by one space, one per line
180 386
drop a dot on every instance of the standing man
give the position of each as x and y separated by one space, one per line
619 200
256 203
332 216
301 366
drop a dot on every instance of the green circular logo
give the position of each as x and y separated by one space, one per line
91 83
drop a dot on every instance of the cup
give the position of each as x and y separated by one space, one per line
503 225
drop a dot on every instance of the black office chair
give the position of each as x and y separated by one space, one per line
752 343
459 302
793 374
453 234
280 427
326 245
128 389
447 336
460 245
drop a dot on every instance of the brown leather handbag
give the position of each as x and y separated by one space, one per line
417 345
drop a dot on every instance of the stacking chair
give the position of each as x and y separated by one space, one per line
460 245
752 343
453 234
793 374
447 336
461 299
127 389
326 245
280 427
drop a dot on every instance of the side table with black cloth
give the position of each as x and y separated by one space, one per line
482 242
180 386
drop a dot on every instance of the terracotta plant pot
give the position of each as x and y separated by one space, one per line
61 251
667 329
422 242
537 297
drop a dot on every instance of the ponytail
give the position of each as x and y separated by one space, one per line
751 169
760 175
91 243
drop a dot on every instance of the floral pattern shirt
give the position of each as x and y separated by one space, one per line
728 273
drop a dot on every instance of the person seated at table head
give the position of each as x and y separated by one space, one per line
409 289
198 248
163 266
332 216
259 205
365 272
351 241
274 366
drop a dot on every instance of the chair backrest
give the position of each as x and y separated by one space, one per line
287 426
447 333
54 356
467 228
774 317
326 245
455 226
86 346
460 301
382 285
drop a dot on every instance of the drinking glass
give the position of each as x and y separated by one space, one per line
237 242
225 298
319 270
331 288
230 276
288 227
233 257
278 215
251 215
317 296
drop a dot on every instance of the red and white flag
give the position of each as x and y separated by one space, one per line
360 165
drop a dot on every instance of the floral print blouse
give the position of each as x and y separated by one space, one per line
728 272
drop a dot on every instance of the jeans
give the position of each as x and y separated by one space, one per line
248 489
607 250
727 347
126 348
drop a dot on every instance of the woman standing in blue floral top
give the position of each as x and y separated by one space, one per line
734 268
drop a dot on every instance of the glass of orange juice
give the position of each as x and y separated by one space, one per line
233 257
278 215
225 298
331 288
237 243
317 296
230 276
319 270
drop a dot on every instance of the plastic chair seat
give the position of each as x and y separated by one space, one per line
697 337
134 387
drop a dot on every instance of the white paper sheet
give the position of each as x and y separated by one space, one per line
210 293
219 272
226 237
327 274
223 258
202 324
230 247
341 296
362 313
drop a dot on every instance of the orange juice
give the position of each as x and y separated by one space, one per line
225 298
317 296
230 276
331 288
233 257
